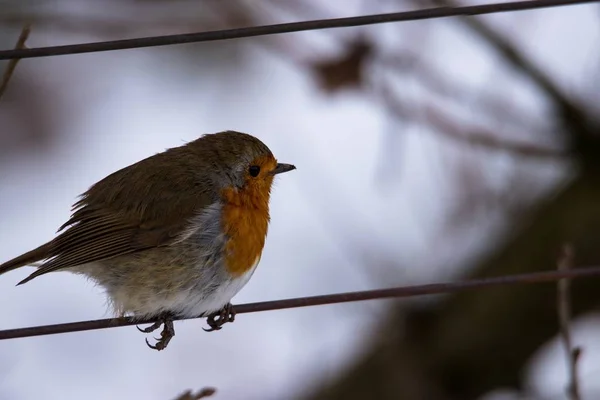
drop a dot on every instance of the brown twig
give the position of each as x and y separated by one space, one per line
477 136
565 263
571 111
12 64
410 63
443 124
205 392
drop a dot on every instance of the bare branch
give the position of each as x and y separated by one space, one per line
411 63
12 64
203 393
476 136
565 262
573 114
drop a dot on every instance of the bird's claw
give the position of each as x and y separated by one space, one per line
215 322
151 328
219 318
166 335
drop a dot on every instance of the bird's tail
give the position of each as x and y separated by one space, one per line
25 259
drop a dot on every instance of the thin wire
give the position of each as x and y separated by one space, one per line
430 13
398 292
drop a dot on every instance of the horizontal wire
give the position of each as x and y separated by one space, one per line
398 292
429 13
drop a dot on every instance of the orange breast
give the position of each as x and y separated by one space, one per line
245 221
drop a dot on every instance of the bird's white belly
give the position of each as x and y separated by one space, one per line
195 302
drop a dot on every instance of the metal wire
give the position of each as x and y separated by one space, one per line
430 13
397 292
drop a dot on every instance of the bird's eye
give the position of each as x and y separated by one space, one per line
254 170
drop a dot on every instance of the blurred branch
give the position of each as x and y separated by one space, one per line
411 64
189 395
470 343
12 64
443 123
206 16
477 136
566 262
346 71
583 129
80 24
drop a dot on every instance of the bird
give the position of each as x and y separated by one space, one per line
175 235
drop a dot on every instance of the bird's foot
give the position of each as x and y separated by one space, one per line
166 335
219 318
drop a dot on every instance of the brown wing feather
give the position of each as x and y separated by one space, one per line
139 207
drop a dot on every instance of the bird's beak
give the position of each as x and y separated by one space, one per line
281 168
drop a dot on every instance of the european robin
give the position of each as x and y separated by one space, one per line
177 234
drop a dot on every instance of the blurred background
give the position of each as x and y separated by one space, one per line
427 151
